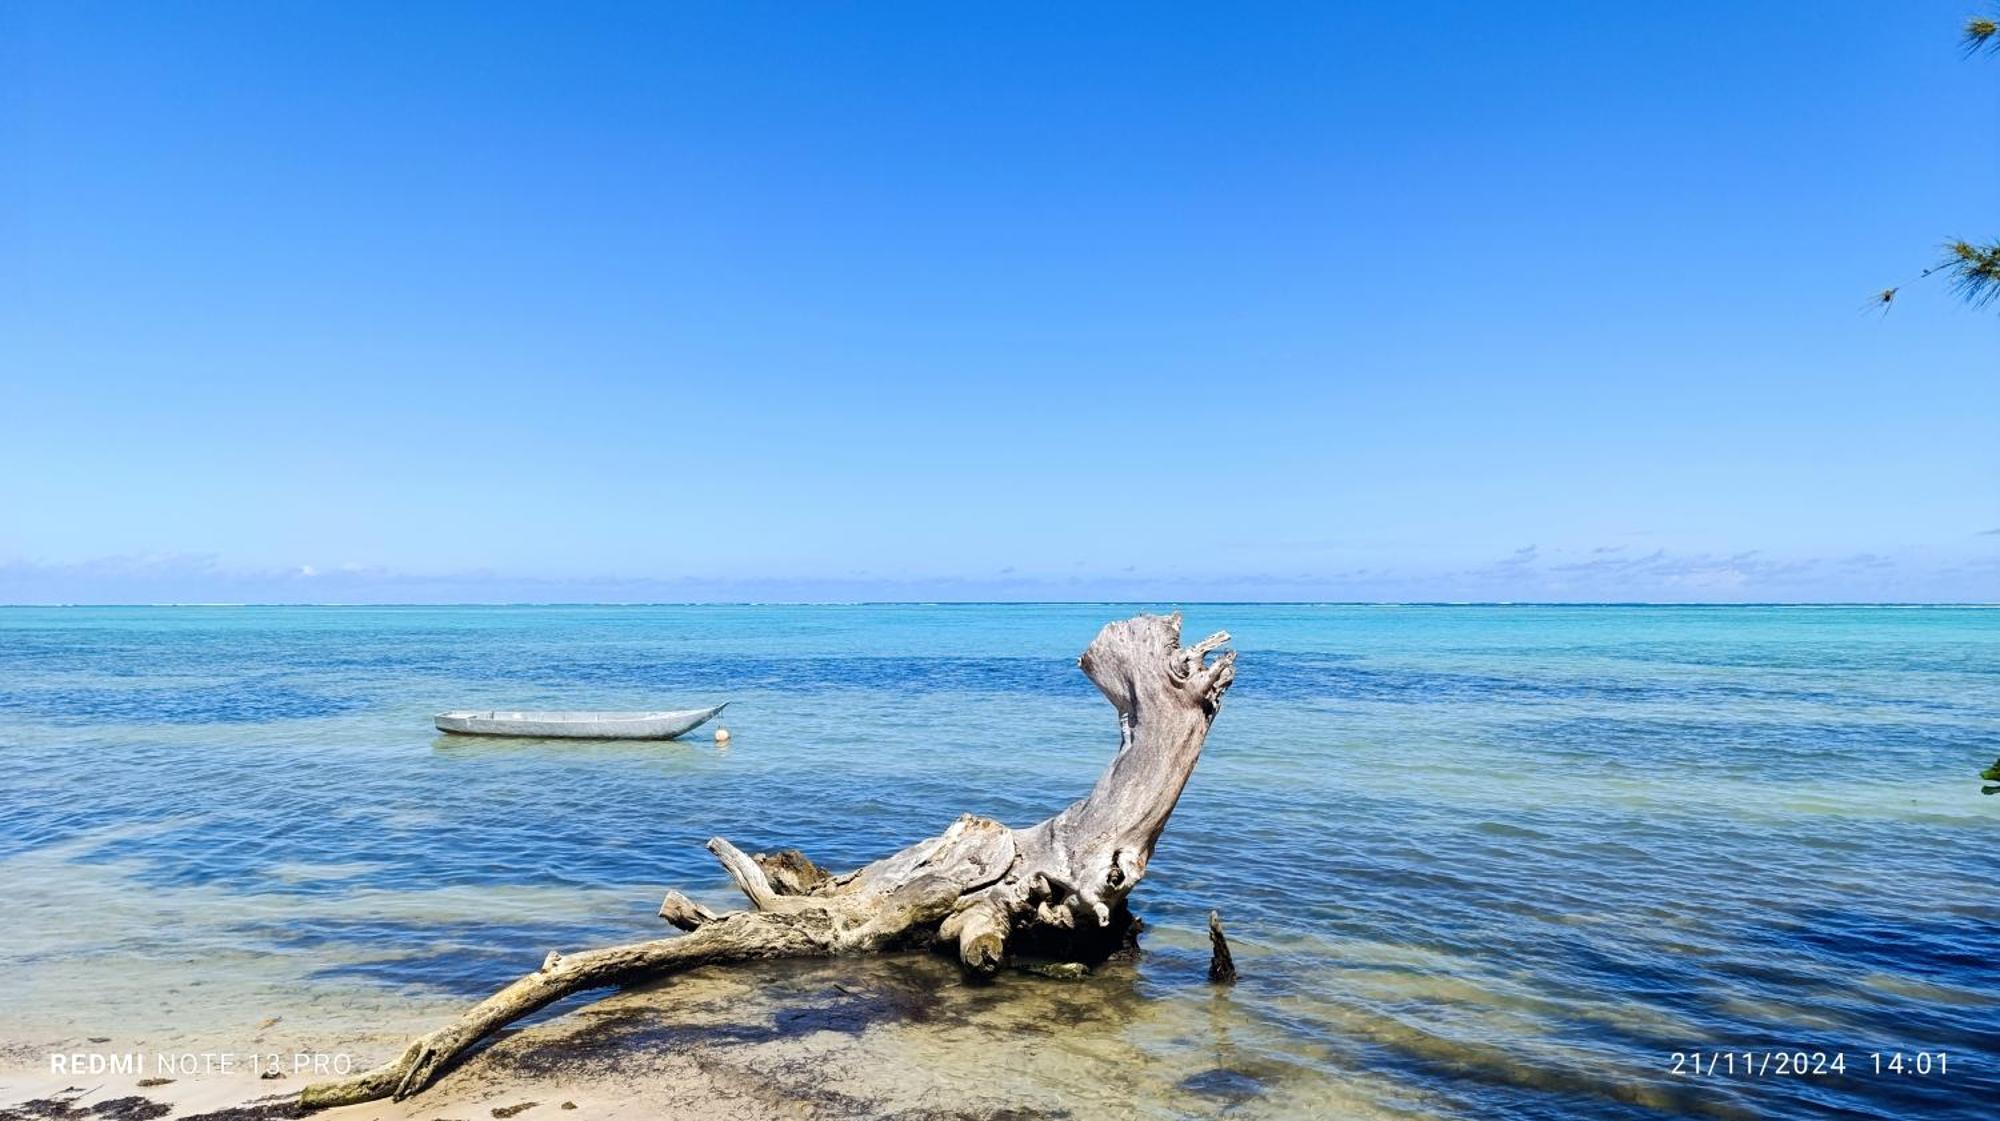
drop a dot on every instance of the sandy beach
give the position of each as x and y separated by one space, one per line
855 1039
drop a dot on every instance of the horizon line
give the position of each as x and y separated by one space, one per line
1035 603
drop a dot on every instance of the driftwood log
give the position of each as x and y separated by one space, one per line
980 889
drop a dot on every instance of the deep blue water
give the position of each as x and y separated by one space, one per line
1502 861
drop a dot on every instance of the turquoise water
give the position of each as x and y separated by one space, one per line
1479 861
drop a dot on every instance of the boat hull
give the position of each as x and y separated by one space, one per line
577 725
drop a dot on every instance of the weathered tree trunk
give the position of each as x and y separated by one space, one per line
980 888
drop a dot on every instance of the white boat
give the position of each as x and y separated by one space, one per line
578 725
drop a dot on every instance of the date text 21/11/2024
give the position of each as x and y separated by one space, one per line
1809 1064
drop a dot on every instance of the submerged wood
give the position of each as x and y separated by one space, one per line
979 890
578 725
1221 966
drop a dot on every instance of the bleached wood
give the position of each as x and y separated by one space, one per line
683 912
979 888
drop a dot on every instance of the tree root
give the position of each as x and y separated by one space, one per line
979 886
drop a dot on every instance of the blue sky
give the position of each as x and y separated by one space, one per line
1413 301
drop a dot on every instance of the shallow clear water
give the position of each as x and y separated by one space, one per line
1478 861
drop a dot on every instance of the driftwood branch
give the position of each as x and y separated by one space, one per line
683 912
979 889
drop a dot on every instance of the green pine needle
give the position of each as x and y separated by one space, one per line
1981 34
1974 270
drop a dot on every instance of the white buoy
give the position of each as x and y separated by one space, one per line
722 735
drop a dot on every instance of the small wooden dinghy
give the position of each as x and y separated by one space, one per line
578 725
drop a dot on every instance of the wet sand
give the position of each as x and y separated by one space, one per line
896 1037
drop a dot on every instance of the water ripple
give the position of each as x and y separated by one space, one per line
1480 862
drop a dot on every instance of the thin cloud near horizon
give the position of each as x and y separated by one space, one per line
1601 574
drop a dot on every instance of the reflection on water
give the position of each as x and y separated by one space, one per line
1477 862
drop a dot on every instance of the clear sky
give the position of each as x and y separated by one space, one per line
339 301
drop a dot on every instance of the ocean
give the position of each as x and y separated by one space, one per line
1475 861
